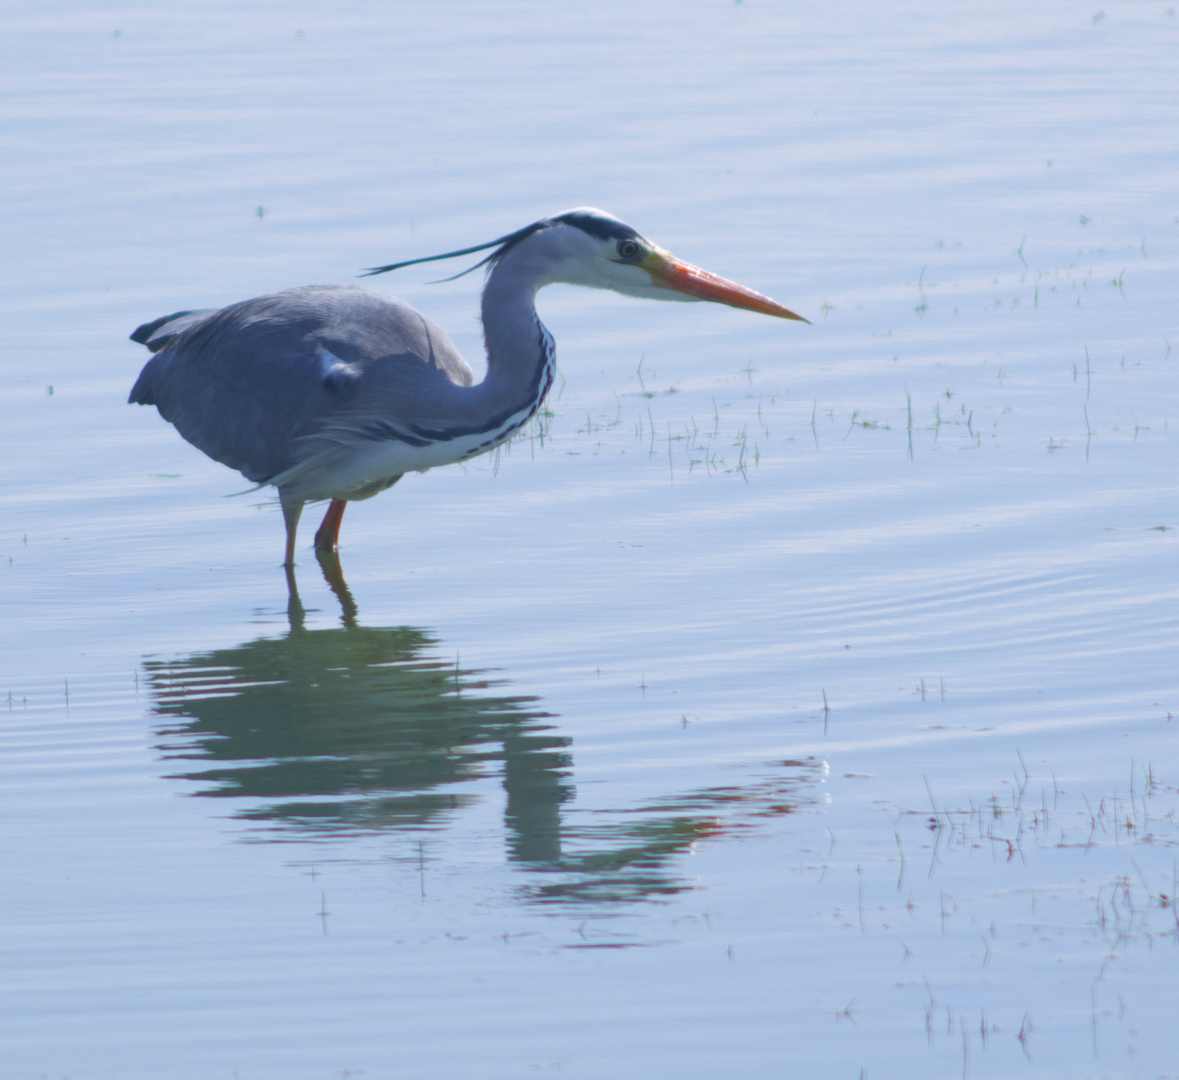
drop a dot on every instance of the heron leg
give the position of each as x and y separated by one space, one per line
328 533
291 510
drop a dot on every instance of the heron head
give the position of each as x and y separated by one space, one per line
595 249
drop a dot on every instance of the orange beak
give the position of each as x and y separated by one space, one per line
668 271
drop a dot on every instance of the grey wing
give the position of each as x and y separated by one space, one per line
252 384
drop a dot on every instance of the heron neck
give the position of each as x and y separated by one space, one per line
520 354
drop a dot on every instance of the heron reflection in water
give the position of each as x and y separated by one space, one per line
330 733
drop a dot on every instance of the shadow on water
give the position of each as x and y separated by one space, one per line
349 730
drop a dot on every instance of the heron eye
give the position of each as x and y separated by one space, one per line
628 249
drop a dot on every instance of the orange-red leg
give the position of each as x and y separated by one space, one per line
328 534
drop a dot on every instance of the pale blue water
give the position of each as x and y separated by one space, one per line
563 795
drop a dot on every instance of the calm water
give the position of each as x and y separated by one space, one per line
789 701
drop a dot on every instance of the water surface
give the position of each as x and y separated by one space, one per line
788 700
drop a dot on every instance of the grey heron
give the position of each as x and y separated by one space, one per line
333 392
